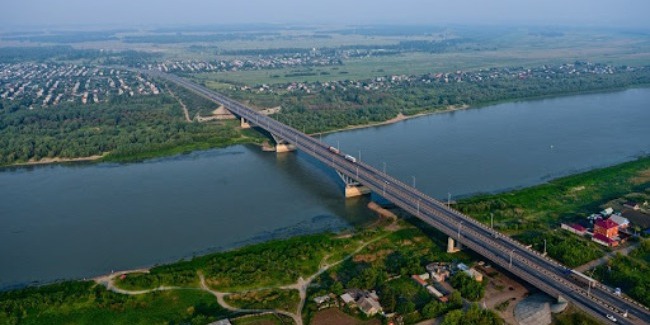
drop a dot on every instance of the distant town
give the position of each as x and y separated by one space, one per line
48 84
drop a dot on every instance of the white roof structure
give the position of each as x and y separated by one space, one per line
347 298
620 220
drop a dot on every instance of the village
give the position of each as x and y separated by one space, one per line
36 85
481 75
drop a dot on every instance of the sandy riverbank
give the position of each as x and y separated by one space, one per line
53 160
400 117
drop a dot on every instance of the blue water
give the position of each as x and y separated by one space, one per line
81 220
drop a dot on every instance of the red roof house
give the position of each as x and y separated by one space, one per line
600 239
607 228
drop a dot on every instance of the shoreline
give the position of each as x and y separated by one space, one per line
399 118
55 160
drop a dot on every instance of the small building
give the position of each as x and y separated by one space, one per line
434 292
321 299
622 222
474 274
425 276
462 267
438 271
369 306
607 228
419 280
347 298
575 228
605 241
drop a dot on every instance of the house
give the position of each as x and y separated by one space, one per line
419 280
369 306
575 228
607 228
605 241
347 298
620 221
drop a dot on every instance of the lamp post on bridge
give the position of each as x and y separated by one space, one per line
459 225
448 200
413 181
511 253
418 207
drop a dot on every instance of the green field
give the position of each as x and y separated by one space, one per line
87 303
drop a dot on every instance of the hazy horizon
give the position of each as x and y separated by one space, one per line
128 14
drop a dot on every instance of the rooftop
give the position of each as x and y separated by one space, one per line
606 224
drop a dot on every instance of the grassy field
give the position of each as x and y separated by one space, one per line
267 264
286 300
267 319
86 303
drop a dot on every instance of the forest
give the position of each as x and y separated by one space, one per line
127 128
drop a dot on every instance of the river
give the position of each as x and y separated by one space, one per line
80 220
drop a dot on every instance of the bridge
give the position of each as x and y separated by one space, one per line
540 271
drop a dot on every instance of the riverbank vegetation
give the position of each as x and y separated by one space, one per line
279 299
325 106
263 265
88 303
473 315
630 273
533 214
126 128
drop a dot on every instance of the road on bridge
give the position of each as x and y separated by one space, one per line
544 273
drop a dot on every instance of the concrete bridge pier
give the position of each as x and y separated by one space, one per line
282 145
452 247
352 187
244 124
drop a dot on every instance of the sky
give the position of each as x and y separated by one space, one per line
133 13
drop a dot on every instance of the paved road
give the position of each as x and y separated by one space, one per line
542 272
